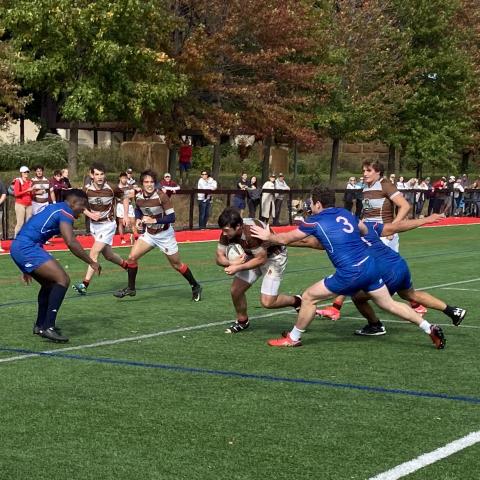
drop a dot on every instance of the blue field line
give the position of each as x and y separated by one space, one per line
215 280
248 376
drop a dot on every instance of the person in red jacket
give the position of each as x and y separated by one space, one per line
22 190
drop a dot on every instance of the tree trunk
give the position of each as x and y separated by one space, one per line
22 129
334 161
419 170
392 151
173 160
267 144
295 160
73 151
466 155
216 160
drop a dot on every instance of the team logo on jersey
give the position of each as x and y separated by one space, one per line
98 201
366 204
148 212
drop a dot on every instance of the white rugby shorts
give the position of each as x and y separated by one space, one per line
165 240
272 272
119 212
103 231
37 207
394 243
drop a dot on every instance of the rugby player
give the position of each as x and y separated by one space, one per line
338 231
380 199
101 211
35 262
155 215
260 259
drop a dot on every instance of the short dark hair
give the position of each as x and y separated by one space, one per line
230 217
376 165
57 172
35 167
122 174
148 173
97 166
75 192
324 195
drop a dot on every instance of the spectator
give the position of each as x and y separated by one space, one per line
185 154
280 184
409 186
42 191
267 208
66 182
476 196
239 198
458 199
392 179
253 197
168 186
205 182
129 191
130 178
360 185
3 197
448 208
420 196
464 181
57 184
349 194
439 188
22 190
401 185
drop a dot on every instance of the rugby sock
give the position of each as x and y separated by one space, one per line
187 273
43 295
425 326
86 282
296 334
132 270
124 264
55 299
338 303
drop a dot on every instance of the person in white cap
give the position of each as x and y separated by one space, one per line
22 191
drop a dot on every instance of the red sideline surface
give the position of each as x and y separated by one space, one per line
185 236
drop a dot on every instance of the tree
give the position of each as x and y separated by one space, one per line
99 60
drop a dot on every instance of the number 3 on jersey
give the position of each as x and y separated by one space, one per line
348 226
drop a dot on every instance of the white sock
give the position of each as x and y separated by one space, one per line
296 334
425 326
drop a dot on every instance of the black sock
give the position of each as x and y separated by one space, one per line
297 302
55 299
132 276
43 295
189 277
450 311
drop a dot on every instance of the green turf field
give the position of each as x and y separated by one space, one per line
190 402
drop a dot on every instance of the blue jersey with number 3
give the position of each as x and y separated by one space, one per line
337 230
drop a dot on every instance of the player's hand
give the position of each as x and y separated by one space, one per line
389 237
138 224
126 221
435 217
96 267
95 216
26 279
259 232
231 269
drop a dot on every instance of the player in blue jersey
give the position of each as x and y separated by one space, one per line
338 231
28 253
396 275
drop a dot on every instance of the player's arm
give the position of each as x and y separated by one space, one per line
405 225
308 242
403 207
221 256
66 230
285 238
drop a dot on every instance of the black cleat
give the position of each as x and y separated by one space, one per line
38 331
458 315
372 330
237 327
197 292
125 292
53 335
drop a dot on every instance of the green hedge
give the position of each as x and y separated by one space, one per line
51 152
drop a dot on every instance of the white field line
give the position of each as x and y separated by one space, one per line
179 330
462 289
407 468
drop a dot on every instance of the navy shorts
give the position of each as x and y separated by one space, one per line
397 277
28 256
349 281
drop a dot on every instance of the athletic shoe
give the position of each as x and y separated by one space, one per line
421 310
237 327
437 336
297 309
80 288
330 312
372 330
458 315
52 335
284 342
37 330
197 292
125 292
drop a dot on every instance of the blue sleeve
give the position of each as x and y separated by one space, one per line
162 219
64 216
308 226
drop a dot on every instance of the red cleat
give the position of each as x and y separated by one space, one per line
437 336
330 312
421 310
284 341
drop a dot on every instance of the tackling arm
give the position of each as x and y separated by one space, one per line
405 225
285 238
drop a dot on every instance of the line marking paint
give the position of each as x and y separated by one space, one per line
182 329
462 289
256 376
429 458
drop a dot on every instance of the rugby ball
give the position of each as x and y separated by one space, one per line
235 252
